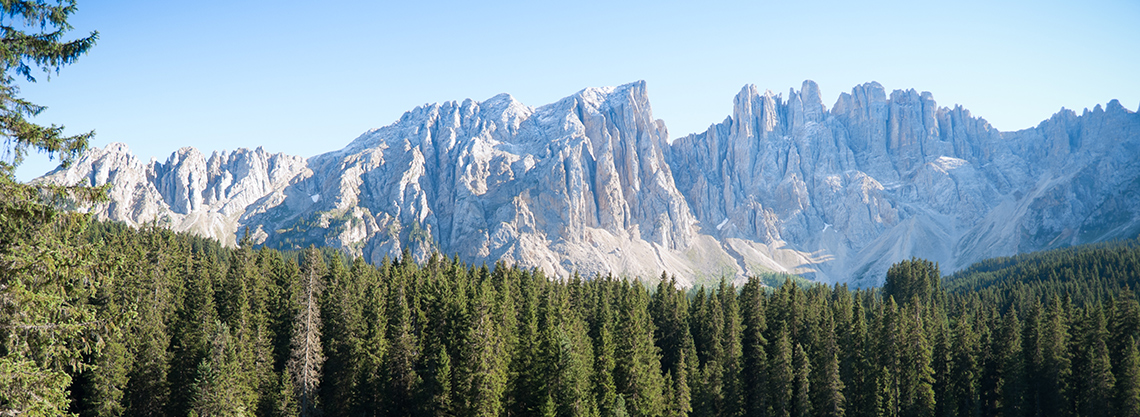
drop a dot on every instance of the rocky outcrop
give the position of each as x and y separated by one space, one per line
877 179
186 193
567 186
592 184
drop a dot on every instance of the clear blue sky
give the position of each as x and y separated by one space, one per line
308 77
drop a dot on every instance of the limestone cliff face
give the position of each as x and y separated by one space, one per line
566 186
592 184
878 179
188 192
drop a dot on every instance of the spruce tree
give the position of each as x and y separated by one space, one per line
342 331
1096 383
637 370
917 376
217 388
708 334
828 399
801 386
730 349
781 376
859 367
964 375
753 344
610 402
1056 365
1012 386
485 363
33 39
1128 381
305 363
401 380
191 331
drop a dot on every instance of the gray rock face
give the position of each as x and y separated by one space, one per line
592 184
187 192
567 186
876 179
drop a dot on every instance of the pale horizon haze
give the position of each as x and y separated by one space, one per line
306 78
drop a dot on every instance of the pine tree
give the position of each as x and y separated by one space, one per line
781 376
1124 326
485 364
670 311
237 298
45 282
943 364
682 400
753 344
859 370
709 337
829 400
25 55
801 387
190 338
916 382
342 310
963 384
308 356
891 346
605 390
402 354
438 397
525 390
637 370
913 280
216 390
731 349
1055 368
1095 382
1128 381
1033 359
284 397
105 384
148 392
568 359
1012 386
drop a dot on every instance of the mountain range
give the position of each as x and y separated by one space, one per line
594 184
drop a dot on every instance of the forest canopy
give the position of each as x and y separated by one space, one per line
188 327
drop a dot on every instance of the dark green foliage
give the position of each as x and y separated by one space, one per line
1128 381
32 35
637 370
187 326
916 280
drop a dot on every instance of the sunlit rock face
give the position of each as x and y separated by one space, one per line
880 178
593 184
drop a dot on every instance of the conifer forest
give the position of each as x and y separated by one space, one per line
112 320
101 319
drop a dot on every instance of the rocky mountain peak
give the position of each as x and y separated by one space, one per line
591 183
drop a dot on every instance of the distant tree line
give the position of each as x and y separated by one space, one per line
188 327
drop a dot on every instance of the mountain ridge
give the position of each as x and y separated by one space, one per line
593 183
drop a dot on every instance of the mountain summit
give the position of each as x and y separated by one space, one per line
592 184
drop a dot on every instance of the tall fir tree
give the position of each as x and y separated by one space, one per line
753 344
307 358
217 388
1128 381
401 380
781 375
828 398
801 386
1056 365
485 364
637 370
